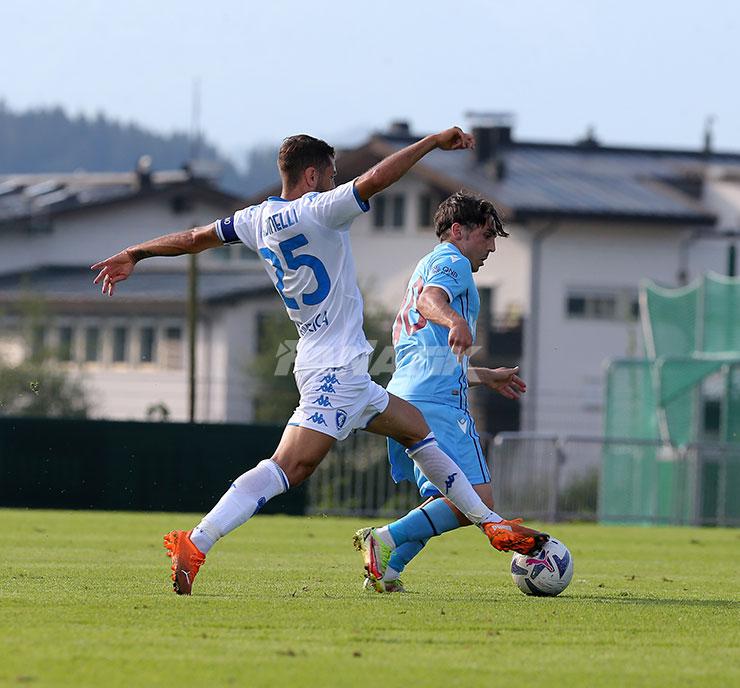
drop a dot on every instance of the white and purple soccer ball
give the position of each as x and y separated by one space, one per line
544 572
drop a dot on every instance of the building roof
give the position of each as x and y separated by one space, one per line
530 179
26 197
66 284
581 180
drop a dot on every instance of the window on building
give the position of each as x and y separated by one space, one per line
379 203
65 346
399 210
599 304
172 355
425 211
120 344
576 306
389 211
92 344
38 342
147 345
428 204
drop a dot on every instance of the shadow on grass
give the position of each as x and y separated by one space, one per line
658 601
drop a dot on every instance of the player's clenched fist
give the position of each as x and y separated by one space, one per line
460 338
454 139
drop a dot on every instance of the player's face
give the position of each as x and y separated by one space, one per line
327 177
477 244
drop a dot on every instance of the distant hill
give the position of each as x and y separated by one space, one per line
49 140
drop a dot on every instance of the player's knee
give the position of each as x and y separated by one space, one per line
409 439
416 429
296 469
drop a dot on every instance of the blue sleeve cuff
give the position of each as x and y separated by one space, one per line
225 230
364 205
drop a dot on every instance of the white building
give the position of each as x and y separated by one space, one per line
131 350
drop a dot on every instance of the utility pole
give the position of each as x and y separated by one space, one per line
195 138
192 331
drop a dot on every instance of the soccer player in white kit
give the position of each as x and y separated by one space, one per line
302 235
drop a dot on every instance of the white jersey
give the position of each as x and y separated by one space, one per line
306 249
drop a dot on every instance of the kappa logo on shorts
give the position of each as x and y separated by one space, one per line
323 400
328 388
317 418
341 419
330 379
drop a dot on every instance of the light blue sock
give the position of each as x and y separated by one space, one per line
404 554
411 532
422 523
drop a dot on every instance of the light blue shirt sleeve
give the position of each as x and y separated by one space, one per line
451 273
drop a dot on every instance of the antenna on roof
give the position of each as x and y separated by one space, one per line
195 134
708 133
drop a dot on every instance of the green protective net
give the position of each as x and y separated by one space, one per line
692 365
732 415
679 400
669 320
630 392
721 321
703 317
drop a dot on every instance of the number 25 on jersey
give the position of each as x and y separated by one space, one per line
293 262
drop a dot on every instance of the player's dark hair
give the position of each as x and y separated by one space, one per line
468 210
301 152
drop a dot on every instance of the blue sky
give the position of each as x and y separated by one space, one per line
645 73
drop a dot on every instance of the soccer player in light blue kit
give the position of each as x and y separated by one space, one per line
431 335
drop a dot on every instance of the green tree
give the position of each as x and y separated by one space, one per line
271 369
38 386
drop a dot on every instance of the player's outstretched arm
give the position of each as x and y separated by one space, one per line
433 303
505 381
391 169
118 267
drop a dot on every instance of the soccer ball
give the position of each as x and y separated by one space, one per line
544 572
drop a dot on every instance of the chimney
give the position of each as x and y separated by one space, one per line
399 129
144 172
589 139
491 130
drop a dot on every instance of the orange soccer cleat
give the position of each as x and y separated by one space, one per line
186 560
509 535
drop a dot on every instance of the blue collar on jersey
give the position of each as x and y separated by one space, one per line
278 198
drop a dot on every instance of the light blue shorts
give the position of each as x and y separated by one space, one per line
456 436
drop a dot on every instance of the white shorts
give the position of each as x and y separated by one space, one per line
337 401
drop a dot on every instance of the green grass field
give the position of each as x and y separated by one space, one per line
85 600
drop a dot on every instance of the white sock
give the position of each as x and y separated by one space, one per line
449 479
391 574
384 534
247 495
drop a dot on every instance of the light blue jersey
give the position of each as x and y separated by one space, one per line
426 368
428 373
